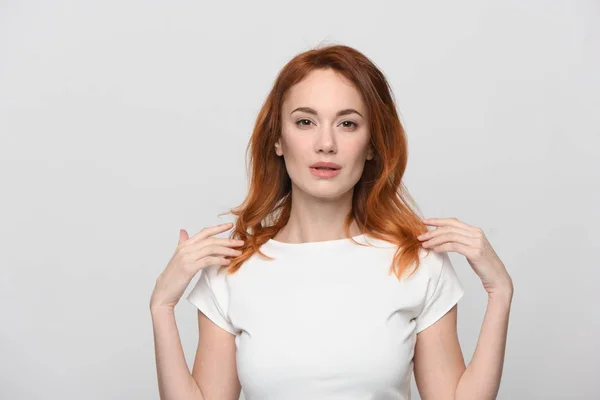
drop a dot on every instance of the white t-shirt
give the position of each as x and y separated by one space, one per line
326 320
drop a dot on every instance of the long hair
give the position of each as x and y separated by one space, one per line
381 204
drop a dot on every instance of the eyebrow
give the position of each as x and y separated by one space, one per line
345 111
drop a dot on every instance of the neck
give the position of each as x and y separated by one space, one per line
315 219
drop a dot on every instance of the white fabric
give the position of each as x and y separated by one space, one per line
326 320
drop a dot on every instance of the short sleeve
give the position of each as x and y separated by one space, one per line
444 291
211 296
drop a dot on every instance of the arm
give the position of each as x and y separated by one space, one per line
438 359
214 375
440 371
481 380
215 367
174 378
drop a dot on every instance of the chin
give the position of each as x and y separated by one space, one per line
331 192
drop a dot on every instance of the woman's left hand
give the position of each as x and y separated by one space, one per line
470 241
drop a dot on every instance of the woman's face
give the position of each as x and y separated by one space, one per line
316 132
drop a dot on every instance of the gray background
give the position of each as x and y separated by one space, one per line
123 121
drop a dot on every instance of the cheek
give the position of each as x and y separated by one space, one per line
295 148
356 151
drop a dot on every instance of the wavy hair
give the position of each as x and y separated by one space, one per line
381 204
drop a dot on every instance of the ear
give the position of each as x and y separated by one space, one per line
278 150
370 153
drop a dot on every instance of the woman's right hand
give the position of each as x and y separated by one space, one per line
191 255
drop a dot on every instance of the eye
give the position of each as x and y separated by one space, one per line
304 119
353 123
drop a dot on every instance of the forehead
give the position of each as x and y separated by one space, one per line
326 90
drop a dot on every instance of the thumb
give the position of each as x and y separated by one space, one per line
183 236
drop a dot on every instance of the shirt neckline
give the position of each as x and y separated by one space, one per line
333 243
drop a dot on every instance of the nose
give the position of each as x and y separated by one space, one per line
326 141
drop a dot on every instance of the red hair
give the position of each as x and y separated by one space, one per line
381 204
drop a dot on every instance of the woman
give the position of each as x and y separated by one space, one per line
327 288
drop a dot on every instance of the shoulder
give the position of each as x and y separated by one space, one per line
214 277
431 263
214 272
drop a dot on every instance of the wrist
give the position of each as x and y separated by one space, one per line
501 295
161 309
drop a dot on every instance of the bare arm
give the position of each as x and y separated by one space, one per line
481 379
440 371
214 373
215 367
438 359
446 377
174 379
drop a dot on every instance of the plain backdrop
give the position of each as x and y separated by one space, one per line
123 121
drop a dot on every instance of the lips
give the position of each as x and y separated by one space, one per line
325 173
325 165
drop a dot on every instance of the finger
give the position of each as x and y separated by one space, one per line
226 242
210 231
450 238
453 246
214 250
446 222
446 230
183 236
205 262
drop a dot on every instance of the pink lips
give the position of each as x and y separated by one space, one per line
326 164
325 173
